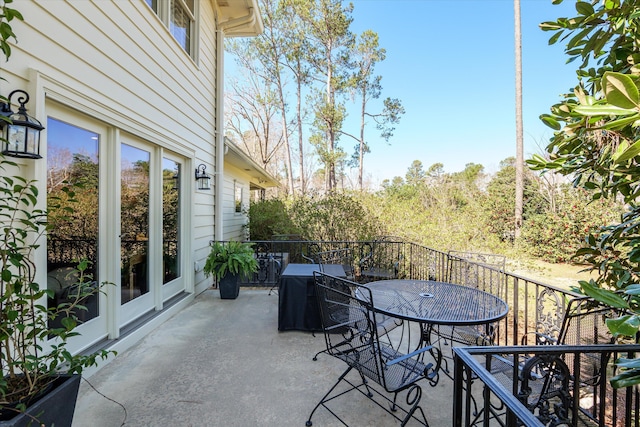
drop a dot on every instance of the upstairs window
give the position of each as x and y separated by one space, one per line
153 4
180 17
182 23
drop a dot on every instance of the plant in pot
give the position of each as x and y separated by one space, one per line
41 376
35 361
227 262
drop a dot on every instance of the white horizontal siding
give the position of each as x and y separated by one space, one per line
116 61
232 220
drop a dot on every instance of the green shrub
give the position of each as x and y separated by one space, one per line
334 217
269 217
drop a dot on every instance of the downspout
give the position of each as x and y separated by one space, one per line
219 175
224 27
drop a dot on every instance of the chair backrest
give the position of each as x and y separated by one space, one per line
584 324
350 327
340 256
566 378
348 323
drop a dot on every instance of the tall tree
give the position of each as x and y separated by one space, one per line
253 117
367 54
415 174
327 23
519 137
263 57
295 60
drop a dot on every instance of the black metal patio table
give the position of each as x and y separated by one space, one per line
436 303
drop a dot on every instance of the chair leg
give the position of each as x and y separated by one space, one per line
413 401
325 400
318 354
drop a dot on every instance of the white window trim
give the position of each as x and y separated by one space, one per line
164 14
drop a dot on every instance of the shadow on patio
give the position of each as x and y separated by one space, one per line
224 363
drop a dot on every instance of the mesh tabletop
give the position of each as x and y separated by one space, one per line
436 302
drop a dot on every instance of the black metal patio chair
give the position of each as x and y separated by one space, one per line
549 385
341 256
350 331
379 261
384 323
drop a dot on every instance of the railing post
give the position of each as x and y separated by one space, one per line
457 390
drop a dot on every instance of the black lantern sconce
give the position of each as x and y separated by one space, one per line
20 131
176 181
202 178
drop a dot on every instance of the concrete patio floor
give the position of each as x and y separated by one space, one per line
224 363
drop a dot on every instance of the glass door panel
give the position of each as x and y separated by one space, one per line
170 220
134 217
172 226
73 163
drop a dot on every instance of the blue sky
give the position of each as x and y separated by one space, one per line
451 63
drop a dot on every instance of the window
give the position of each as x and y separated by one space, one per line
180 17
182 22
237 196
153 4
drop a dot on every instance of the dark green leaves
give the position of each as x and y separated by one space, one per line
605 296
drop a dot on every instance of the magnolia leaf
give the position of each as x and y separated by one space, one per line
628 153
550 121
621 123
603 110
628 363
625 325
620 90
604 296
584 8
626 379
632 289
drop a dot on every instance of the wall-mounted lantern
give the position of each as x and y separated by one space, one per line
202 178
20 131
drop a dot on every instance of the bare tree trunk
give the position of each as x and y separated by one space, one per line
303 180
292 190
519 137
361 151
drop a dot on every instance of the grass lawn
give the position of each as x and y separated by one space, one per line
561 275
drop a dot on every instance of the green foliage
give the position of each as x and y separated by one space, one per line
233 257
438 210
556 235
7 15
26 331
269 217
336 216
596 143
415 174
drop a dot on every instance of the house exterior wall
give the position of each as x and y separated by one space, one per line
116 63
234 222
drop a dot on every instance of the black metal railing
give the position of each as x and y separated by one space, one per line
549 385
534 305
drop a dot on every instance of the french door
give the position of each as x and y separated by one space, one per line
127 221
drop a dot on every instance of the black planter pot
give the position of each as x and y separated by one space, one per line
56 407
229 286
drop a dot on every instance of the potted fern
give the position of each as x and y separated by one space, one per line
227 262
